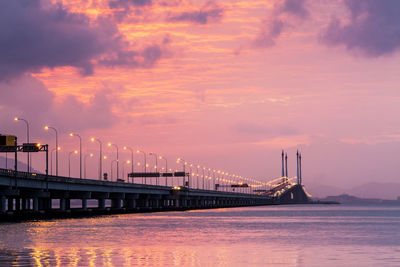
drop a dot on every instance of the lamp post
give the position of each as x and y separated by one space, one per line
55 130
131 150
112 162
100 156
156 166
69 161
51 159
123 169
80 153
184 163
145 165
88 155
166 169
27 138
111 144
204 168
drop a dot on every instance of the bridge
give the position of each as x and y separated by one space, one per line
29 195
32 195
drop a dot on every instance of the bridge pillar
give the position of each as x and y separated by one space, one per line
101 203
63 204
17 204
84 203
10 204
155 203
116 203
23 206
35 204
2 204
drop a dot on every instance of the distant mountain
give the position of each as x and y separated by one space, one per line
377 190
368 190
321 191
347 199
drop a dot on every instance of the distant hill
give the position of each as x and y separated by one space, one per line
368 190
377 190
347 199
321 191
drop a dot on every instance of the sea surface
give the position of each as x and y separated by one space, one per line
291 235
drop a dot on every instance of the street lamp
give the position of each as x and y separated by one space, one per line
166 169
88 155
112 162
131 150
69 161
145 165
55 130
111 144
123 169
27 137
51 159
156 166
184 163
80 153
100 156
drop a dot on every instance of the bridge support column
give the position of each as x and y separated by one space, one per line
23 206
2 204
10 204
63 204
35 204
84 203
130 203
102 203
17 204
116 203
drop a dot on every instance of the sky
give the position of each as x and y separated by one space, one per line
223 84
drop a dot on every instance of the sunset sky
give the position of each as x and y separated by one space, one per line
223 84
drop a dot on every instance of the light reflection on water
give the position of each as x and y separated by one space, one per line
256 236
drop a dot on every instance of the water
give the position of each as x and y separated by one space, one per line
299 235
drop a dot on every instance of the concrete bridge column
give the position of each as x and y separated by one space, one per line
101 203
23 205
155 203
2 204
84 203
116 203
35 204
63 204
17 204
10 204
130 203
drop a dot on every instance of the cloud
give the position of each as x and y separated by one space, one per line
28 98
283 14
143 59
373 28
33 37
128 3
209 13
294 7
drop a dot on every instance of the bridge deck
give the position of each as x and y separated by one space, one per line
25 194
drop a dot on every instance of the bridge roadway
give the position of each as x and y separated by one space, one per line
27 196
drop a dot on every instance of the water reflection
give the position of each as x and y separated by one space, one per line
260 236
